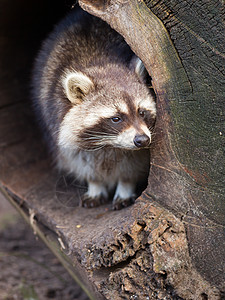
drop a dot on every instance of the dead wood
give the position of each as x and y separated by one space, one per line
169 244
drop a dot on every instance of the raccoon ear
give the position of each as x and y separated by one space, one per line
77 85
139 69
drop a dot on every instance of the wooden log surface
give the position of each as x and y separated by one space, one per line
140 252
187 166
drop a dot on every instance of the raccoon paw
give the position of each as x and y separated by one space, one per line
90 202
119 203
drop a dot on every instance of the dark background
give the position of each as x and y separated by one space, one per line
28 268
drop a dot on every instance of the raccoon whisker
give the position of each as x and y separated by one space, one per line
102 132
151 129
93 136
90 138
156 142
56 133
115 130
91 133
93 149
153 134
97 133
96 138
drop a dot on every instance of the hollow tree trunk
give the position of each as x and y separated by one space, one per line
187 169
170 243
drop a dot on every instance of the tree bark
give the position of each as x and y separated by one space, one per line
187 168
170 243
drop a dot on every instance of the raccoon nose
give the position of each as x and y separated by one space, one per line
141 140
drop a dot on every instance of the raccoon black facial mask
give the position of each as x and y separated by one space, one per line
90 94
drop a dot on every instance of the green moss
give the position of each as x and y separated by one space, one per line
28 292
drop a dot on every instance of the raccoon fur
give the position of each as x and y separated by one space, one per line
90 94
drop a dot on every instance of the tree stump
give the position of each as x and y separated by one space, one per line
170 243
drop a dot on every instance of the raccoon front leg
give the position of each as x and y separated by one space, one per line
96 195
124 195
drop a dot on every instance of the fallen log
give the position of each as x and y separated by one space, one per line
170 243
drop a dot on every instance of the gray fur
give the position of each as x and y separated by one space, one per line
84 77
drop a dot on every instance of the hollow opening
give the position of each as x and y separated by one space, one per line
23 26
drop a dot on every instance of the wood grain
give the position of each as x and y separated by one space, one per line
143 251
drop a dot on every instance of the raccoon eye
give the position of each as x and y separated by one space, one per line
116 120
141 113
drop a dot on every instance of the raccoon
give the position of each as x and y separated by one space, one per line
89 91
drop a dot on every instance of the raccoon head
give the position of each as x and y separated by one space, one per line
110 108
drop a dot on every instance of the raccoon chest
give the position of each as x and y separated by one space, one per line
106 165
103 165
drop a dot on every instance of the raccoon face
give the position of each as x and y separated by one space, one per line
114 115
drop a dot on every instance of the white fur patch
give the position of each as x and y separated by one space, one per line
124 190
96 190
73 162
123 108
126 138
148 104
146 131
